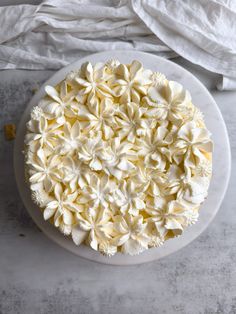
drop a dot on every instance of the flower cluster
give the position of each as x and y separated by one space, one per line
118 157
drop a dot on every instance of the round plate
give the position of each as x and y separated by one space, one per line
221 158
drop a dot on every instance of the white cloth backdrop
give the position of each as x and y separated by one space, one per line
57 32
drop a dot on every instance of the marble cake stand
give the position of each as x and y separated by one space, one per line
221 158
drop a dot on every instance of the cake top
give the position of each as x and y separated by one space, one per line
118 157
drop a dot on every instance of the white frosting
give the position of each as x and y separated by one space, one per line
118 157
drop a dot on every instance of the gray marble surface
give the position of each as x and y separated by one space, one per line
37 276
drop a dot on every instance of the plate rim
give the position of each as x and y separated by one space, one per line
92 256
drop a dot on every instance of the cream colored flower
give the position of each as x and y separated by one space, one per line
70 139
203 169
155 238
97 225
131 234
58 104
168 102
131 82
99 116
45 170
192 189
195 190
76 173
131 121
196 116
107 248
40 134
169 218
119 164
37 113
40 197
62 209
111 65
129 198
154 147
152 180
92 82
192 144
98 192
93 152
158 79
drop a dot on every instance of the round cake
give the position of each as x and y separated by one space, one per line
118 157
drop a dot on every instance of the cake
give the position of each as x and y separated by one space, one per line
118 158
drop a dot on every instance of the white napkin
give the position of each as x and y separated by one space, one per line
57 32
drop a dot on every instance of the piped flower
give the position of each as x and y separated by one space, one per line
129 198
98 117
41 134
154 147
70 139
131 234
62 209
57 105
44 170
193 144
97 225
76 173
131 82
168 101
98 192
92 152
131 122
121 158
92 82
168 218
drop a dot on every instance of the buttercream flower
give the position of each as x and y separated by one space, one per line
155 238
110 66
98 116
92 82
121 156
168 218
76 173
41 134
131 234
97 225
154 147
152 180
107 248
158 79
131 121
168 102
203 169
40 197
198 117
93 152
62 209
70 139
45 170
192 189
131 82
129 198
59 104
193 144
98 192
37 113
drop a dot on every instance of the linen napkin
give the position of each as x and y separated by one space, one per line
56 33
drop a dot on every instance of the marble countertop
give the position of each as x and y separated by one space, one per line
37 276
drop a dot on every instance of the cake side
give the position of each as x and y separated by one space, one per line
118 157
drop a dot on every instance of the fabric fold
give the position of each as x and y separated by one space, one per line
56 33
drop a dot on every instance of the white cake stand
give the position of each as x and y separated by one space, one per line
221 158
